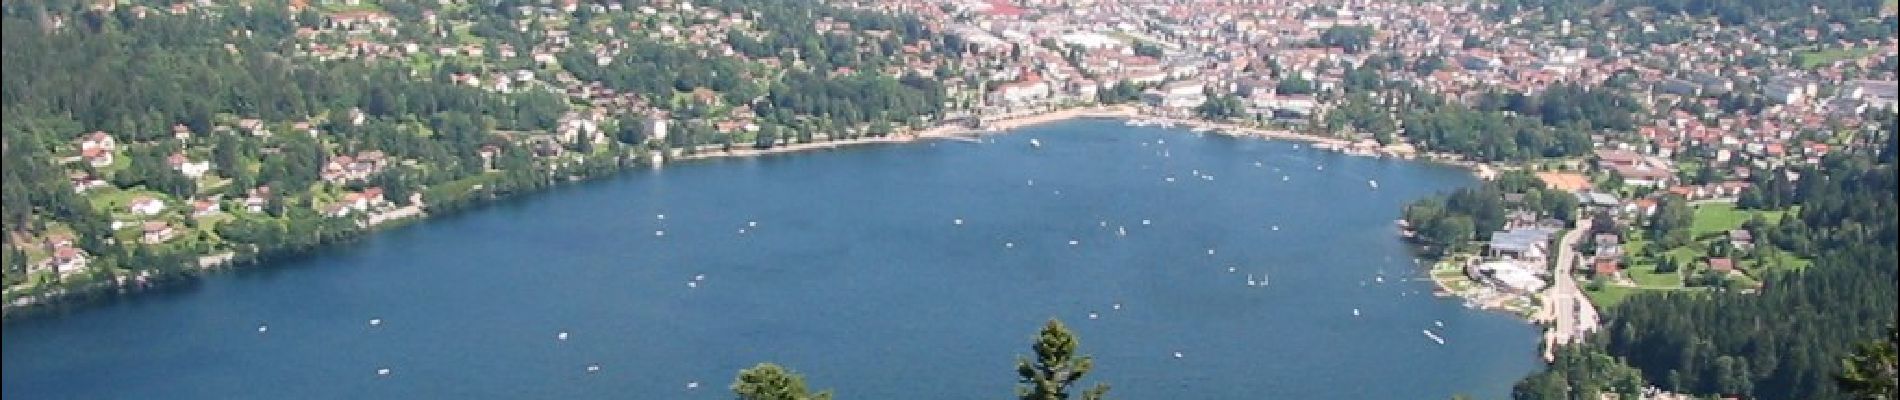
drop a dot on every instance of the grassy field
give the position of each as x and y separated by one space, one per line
1814 58
1721 217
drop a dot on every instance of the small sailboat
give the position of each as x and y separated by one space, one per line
1250 281
1264 279
1120 231
1355 312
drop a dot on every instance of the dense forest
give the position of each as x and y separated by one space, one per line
1785 342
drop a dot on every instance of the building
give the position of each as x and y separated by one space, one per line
156 232
146 206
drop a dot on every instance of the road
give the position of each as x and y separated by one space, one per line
1569 311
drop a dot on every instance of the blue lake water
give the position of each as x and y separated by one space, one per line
856 276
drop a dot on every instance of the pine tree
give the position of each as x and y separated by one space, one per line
1056 368
768 381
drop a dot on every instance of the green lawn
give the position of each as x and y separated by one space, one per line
116 200
1609 296
1647 277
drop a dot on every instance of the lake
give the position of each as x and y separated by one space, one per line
856 275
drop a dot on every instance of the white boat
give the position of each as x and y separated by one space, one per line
1092 315
958 221
1170 179
1250 281
753 224
1373 183
1120 231
1355 312
593 367
1073 242
375 321
382 371
1144 222
1178 355
561 336
692 385
692 284
1035 143
1232 269
659 233
1433 336
1009 245
1284 178
263 328
1276 227
1379 279
1264 279
661 217
1117 306
1210 252
699 277
1440 324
